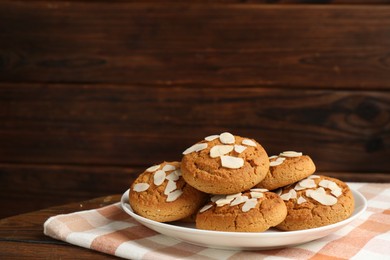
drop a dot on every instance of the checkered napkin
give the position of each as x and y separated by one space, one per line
112 231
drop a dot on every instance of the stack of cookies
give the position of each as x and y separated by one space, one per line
229 183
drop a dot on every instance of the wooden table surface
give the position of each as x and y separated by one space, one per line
22 236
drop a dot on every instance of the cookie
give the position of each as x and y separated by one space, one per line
316 201
252 211
287 168
224 164
161 194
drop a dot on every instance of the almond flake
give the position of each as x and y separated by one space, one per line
313 177
275 163
272 157
172 176
172 196
290 154
171 186
234 195
239 200
239 148
178 172
158 177
227 138
337 192
299 187
323 198
232 162
169 167
195 148
223 202
301 200
219 150
291 194
153 168
259 189
249 204
324 183
256 194
249 142
206 207
139 187
217 197
211 138
308 192
285 196
307 183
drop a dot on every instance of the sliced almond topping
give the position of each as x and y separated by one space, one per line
158 177
171 186
337 192
259 189
290 154
227 138
272 157
223 202
249 142
217 197
169 167
275 163
249 204
307 183
172 176
308 192
301 200
239 148
313 177
299 187
285 196
234 195
206 207
195 148
153 168
323 198
232 162
172 196
324 183
256 194
211 138
178 172
293 194
219 150
139 187
239 200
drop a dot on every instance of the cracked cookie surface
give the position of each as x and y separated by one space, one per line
268 211
322 202
235 166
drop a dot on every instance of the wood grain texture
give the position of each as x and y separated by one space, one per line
22 236
324 46
142 125
25 188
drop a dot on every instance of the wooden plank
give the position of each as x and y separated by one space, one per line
114 125
22 236
25 188
327 46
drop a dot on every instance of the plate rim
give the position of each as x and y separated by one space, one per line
127 208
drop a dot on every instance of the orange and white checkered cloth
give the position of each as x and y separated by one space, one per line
112 231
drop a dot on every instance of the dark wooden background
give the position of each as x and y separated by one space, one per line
92 92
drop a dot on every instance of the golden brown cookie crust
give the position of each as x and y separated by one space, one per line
268 212
206 173
312 214
290 171
152 203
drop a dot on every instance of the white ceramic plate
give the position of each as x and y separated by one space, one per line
269 239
